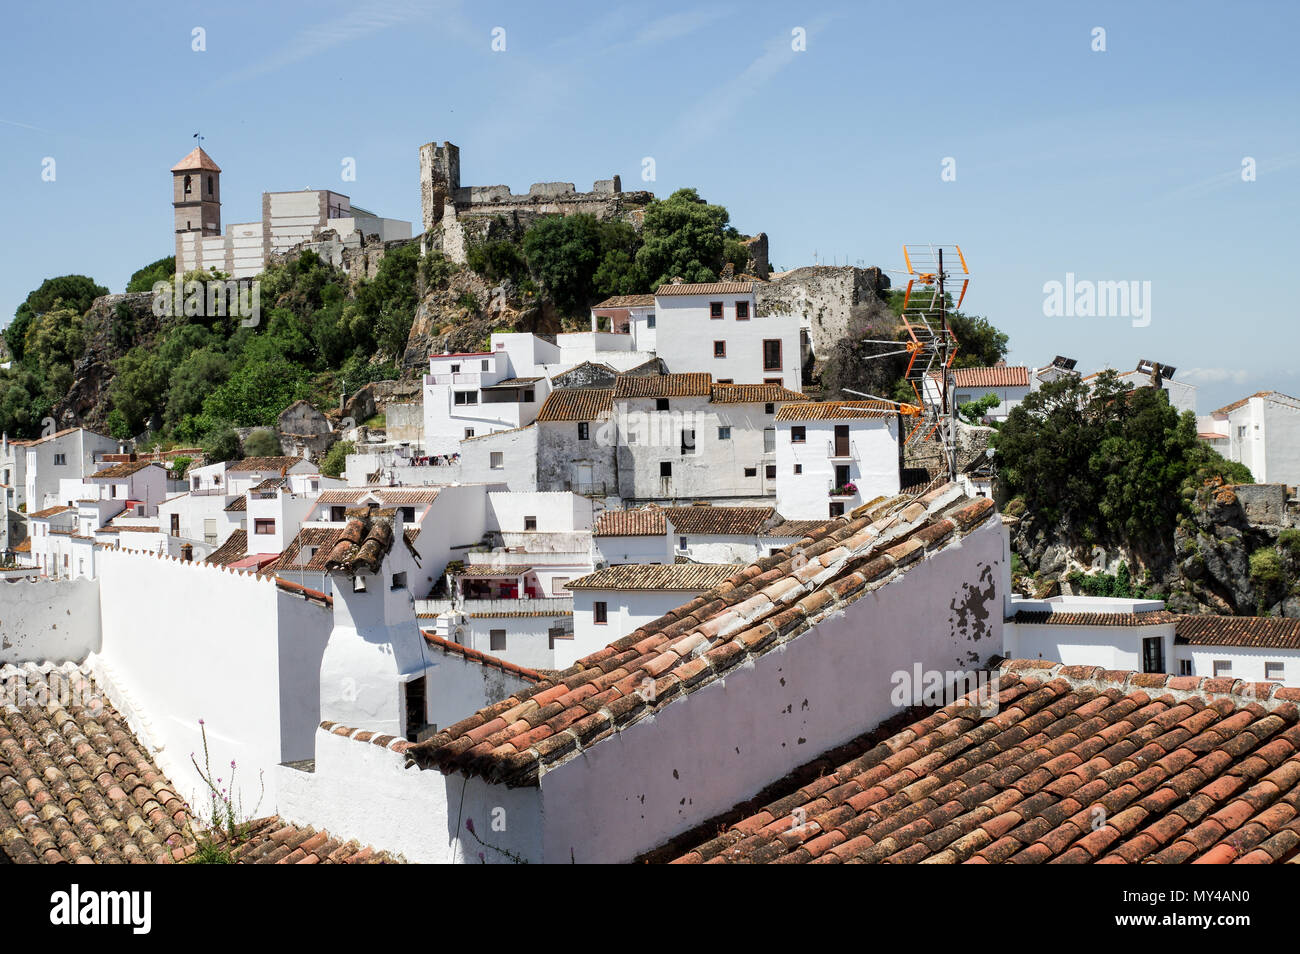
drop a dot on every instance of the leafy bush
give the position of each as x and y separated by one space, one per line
1119 585
179 465
262 443
222 445
336 458
163 270
974 411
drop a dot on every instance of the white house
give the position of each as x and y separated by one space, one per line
474 393
1182 396
1011 383
1261 431
643 536
832 456
715 327
69 454
1116 634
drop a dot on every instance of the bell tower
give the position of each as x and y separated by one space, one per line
196 203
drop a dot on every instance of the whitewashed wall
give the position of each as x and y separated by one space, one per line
48 620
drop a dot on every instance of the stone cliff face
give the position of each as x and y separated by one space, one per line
114 325
1236 553
823 296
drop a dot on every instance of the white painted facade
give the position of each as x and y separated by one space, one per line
49 621
620 549
66 455
462 398
809 464
625 610
1262 432
686 337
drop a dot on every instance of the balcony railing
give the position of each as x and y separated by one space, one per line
558 604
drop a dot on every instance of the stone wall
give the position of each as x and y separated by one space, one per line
822 297
1263 504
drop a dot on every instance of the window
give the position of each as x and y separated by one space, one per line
530 396
486 364
338 514
315 486
661 404
719 349
599 613
530 523
772 354
742 311
798 468
469 432
771 471
751 471
209 185
263 526
399 582
497 640
688 441
189 187
724 433
408 514
837 510
715 309
557 586
841 474
60 460
112 490
725 381
798 434
1274 672
1153 654
209 529
769 408
497 460
175 525
1222 667
584 430
455 368
681 543
1184 667
665 468
649 321
417 712
465 397
773 381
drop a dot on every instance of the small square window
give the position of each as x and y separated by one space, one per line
798 434
1274 671
584 430
1222 667
497 460
661 404
530 396
599 613
751 471
769 408
469 432
399 582
487 365
60 460
798 468
1184 667
715 309
408 514
455 368
837 510
263 526
497 640
665 468
771 471
742 311
530 523
681 543
724 433
719 349
649 321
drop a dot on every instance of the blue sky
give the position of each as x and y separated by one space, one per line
1115 165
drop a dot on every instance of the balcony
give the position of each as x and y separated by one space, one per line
558 605
845 452
466 378
844 492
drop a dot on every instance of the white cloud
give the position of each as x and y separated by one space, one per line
1216 375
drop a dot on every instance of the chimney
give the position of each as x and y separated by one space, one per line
187 553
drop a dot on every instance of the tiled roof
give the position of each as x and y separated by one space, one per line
477 571
747 521
196 159
754 610
322 539
1246 400
389 496
645 522
1149 618
835 411
754 394
1003 376
705 288
522 614
1261 632
234 549
271 483
363 544
513 383
691 384
25 546
1077 765
75 784
576 404
274 841
278 465
238 505
627 301
48 512
795 529
124 468
482 658
306 592
655 576
490 434
136 528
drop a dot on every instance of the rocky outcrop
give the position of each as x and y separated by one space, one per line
114 325
824 297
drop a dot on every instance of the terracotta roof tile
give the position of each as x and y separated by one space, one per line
835 411
794 529
75 784
125 468
1149 618
705 288
1263 632
692 384
277 465
1002 376
238 505
482 658
740 521
234 549
1246 400
656 576
576 404
49 512
748 612
754 394
196 158
645 522
274 841
627 301
388 496
1071 764
321 540
363 544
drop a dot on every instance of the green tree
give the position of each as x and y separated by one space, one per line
389 301
563 253
192 380
685 236
222 445
262 443
142 280
73 292
335 458
974 411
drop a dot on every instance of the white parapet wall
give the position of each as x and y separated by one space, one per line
48 620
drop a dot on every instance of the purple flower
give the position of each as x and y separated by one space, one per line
469 824
232 763
200 722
